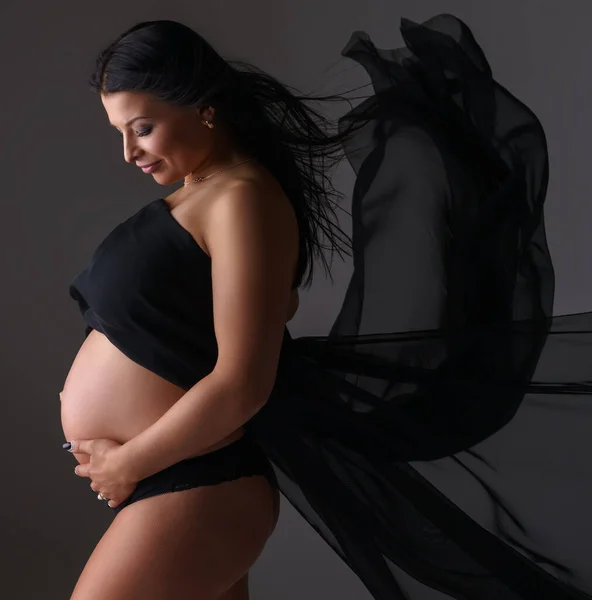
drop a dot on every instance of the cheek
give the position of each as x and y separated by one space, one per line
177 148
169 148
158 147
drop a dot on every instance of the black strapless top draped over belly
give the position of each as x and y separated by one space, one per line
148 288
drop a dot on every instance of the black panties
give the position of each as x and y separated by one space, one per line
241 458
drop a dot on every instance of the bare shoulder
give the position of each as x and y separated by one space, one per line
255 198
256 191
255 216
262 201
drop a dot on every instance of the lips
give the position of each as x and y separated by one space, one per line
149 168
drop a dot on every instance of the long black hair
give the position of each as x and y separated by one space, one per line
296 143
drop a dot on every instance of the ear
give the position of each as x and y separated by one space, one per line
207 113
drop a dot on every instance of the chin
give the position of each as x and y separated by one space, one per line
167 181
160 179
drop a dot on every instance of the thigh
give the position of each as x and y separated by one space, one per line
192 545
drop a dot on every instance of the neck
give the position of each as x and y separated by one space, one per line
222 155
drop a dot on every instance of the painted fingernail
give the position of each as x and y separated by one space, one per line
67 446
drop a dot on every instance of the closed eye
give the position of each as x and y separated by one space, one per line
140 134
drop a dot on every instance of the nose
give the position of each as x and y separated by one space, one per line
128 151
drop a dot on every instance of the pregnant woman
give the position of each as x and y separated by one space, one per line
233 222
423 438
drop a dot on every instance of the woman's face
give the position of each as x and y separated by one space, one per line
155 131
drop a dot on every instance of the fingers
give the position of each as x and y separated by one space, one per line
95 488
82 470
80 446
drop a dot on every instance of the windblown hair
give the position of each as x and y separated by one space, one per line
297 144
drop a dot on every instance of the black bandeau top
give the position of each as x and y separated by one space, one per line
148 288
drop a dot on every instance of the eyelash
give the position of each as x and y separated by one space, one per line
141 134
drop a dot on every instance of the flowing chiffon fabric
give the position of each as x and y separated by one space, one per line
439 438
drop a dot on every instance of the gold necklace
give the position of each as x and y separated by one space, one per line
200 179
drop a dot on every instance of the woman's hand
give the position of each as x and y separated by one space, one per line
104 469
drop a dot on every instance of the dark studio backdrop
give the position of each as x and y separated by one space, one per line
65 185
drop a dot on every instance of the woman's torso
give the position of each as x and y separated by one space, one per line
106 394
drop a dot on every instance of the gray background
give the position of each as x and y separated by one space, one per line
65 185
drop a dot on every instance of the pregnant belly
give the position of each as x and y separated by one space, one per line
107 395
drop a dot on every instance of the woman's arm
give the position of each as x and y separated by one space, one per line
252 239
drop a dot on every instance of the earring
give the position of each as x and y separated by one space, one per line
210 124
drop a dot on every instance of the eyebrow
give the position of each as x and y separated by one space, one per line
130 121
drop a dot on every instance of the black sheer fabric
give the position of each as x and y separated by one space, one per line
438 439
